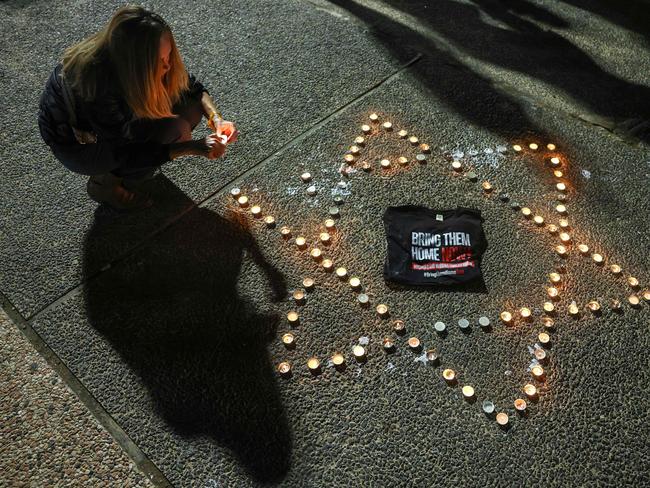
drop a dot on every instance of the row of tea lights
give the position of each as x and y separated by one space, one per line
358 351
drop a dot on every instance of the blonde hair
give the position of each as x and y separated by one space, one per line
130 43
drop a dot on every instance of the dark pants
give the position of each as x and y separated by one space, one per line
95 159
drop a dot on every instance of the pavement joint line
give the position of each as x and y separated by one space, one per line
171 221
139 458
307 132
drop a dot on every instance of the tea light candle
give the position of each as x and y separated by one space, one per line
646 295
537 372
235 193
449 375
633 282
552 292
565 237
355 282
530 390
506 317
288 340
525 312
555 277
243 201
552 228
561 250
306 177
517 148
558 174
363 299
548 322
366 166
468 391
487 186
334 211
414 343
374 117
616 269
359 352
338 360
341 272
269 220
598 258
561 186
313 364
324 237
385 163
382 310
594 306
327 264
549 307
555 161
615 304
564 223
399 326
388 344
539 220
425 148
561 209
520 405
583 248
301 242
457 166
403 161
387 126
550 146
488 407
360 140
403 134
526 212
365 129
354 150
256 210
284 368
573 308
285 232
308 283
533 146
540 354
544 338
293 317
421 158
311 190
432 356
414 140
439 327
633 300
299 296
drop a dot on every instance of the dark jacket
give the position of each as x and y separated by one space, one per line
109 117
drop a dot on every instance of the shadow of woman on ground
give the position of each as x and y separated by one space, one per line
173 312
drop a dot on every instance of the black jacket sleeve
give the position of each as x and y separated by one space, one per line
196 88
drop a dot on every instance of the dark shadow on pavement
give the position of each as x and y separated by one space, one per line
519 45
173 313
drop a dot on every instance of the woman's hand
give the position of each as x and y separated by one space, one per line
223 128
210 147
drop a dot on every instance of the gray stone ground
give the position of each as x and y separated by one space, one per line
48 436
171 318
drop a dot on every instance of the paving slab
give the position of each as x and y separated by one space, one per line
180 340
48 437
275 68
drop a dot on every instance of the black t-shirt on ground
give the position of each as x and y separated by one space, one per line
433 247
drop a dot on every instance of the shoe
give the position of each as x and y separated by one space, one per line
107 188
